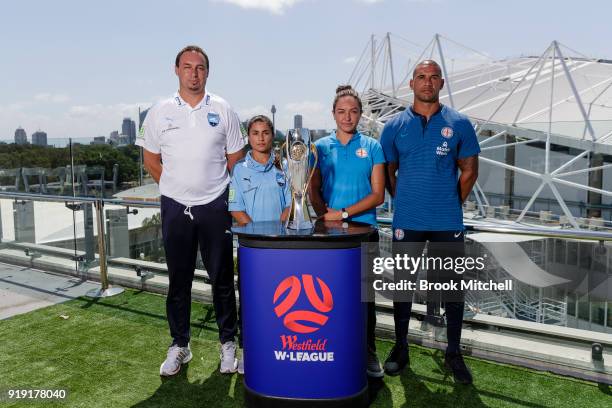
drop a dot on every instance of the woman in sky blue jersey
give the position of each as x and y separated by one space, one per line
258 189
349 183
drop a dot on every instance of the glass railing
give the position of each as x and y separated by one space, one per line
78 169
560 300
557 314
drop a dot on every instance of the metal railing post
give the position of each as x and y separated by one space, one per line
99 205
105 290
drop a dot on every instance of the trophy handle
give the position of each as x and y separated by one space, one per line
313 150
280 153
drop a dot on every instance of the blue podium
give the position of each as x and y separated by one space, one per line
303 320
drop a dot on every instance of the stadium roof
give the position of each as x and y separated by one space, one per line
561 91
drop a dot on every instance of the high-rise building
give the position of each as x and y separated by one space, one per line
128 128
39 138
20 136
114 137
99 140
297 122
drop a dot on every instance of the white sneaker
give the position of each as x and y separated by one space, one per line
176 357
241 366
229 362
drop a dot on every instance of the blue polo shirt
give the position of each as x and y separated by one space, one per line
258 189
346 171
426 196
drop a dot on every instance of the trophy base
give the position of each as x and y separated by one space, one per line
299 225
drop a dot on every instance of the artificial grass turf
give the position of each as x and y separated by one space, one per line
108 351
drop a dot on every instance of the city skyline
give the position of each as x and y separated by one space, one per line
39 137
86 78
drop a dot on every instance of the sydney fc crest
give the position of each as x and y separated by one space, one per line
280 179
213 119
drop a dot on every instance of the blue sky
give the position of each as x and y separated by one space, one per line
76 68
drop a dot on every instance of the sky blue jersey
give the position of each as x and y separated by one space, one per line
258 189
346 172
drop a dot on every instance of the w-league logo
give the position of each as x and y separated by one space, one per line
303 321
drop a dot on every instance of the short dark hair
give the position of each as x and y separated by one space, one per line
191 48
427 62
260 118
346 90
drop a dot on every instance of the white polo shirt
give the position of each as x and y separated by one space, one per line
193 143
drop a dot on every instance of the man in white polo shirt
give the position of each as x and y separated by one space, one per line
191 142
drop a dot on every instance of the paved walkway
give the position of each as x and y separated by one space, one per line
24 289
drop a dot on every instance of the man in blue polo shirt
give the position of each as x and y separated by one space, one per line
426 145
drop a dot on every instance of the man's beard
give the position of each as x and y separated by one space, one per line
432 99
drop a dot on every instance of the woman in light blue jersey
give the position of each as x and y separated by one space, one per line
349 183
258 189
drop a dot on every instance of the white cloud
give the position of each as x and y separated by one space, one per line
273 6
68 121
305 107
350 60
16 106
316 115
247 113
49 97
407 1
88 120
98 111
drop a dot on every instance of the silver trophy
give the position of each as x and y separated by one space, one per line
297 149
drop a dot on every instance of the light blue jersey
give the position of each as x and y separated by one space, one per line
258 189
346 172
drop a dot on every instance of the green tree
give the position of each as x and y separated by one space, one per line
127 157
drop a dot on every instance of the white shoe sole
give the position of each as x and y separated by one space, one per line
229 371
187 359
